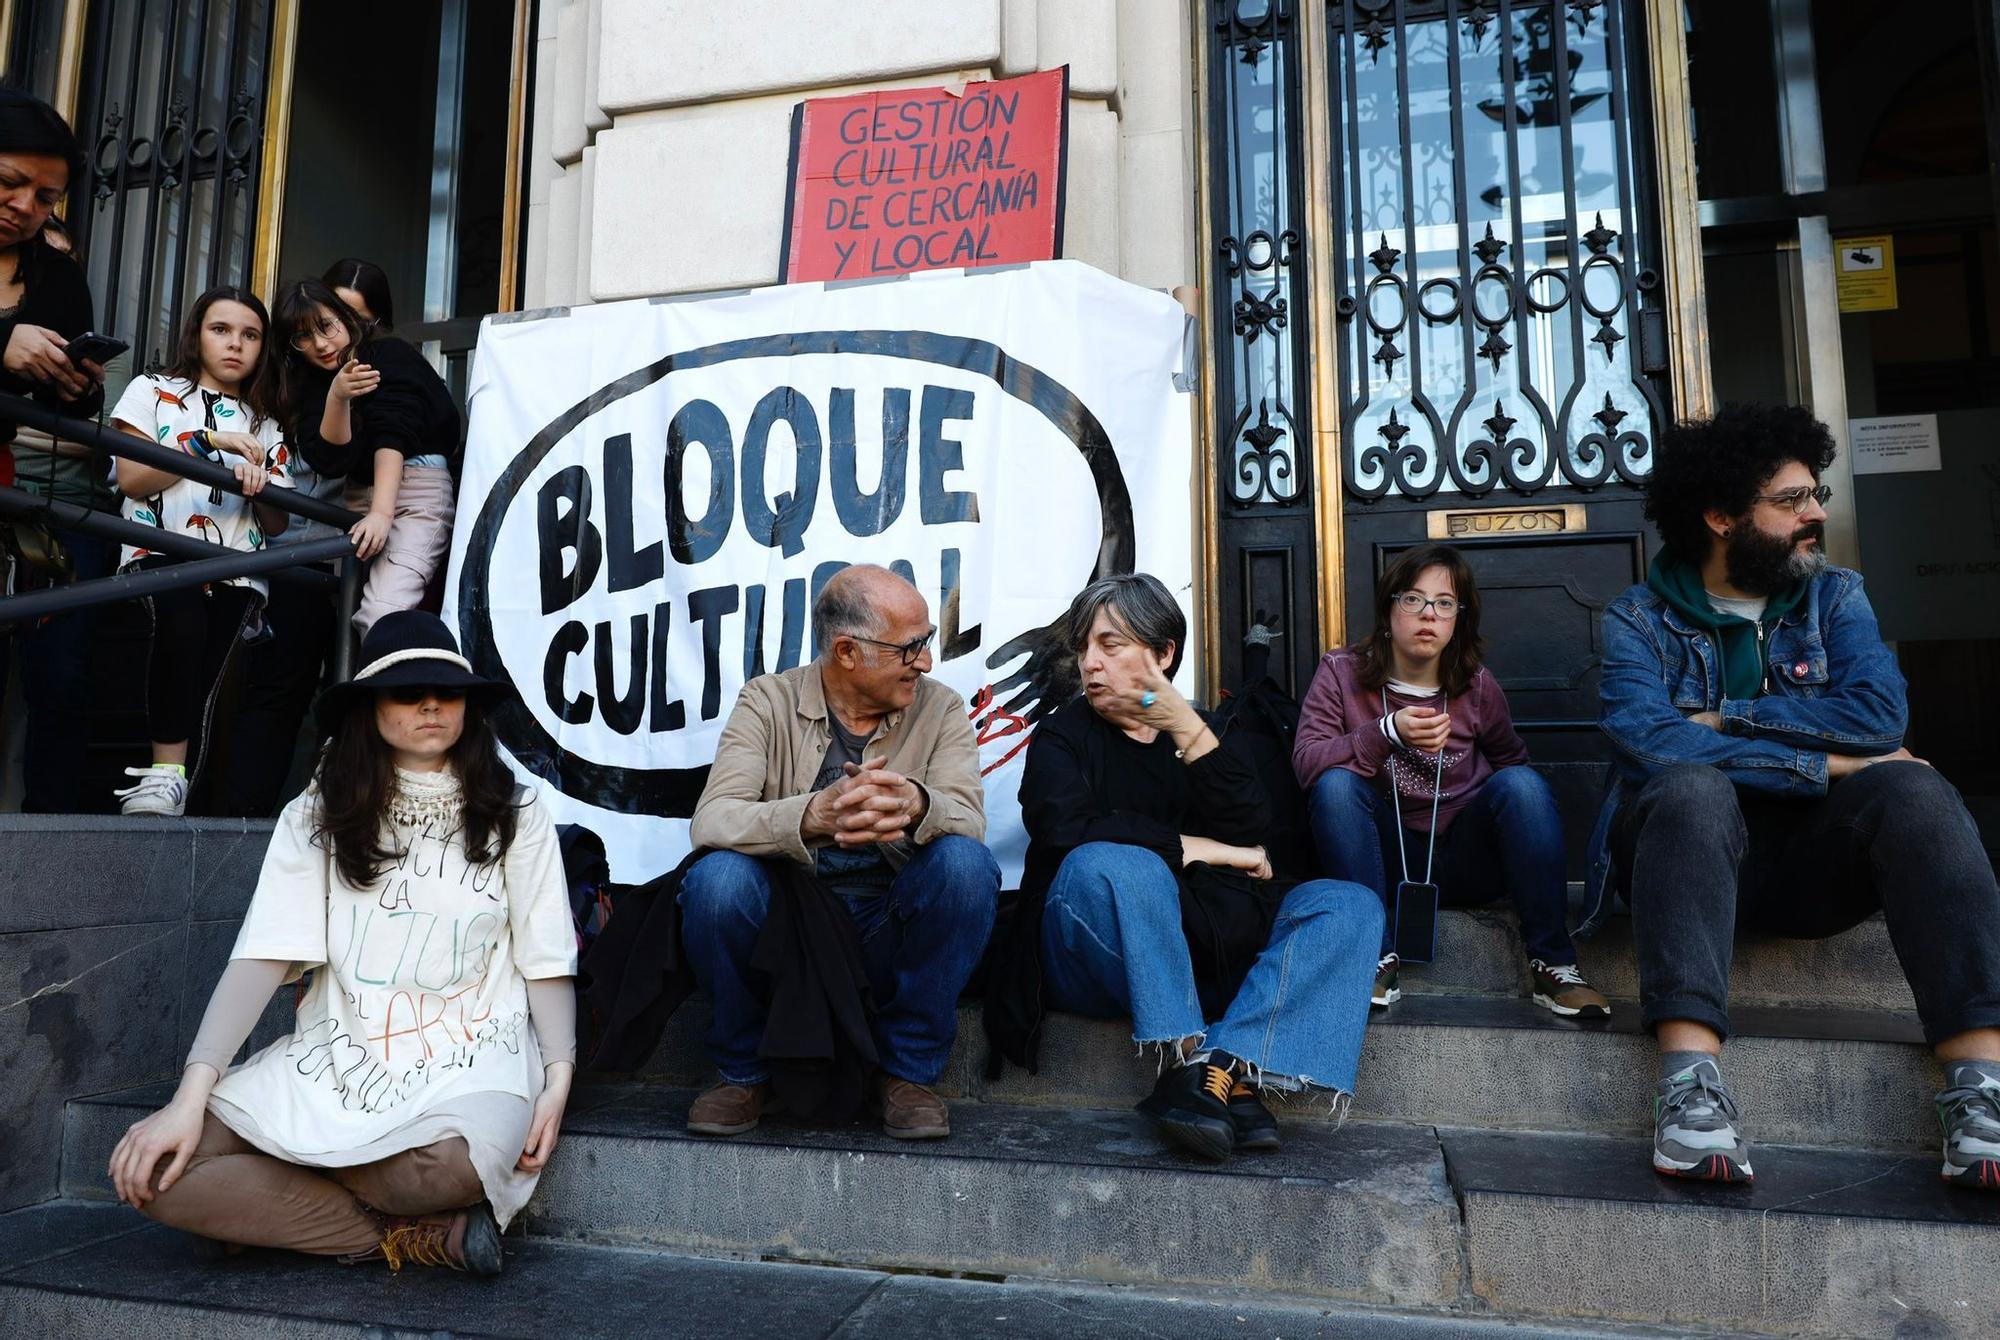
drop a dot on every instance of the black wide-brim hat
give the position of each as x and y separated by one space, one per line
405 648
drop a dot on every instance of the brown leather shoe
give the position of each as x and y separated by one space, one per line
728 1109
911 1112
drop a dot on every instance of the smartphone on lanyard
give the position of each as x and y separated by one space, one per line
1415 909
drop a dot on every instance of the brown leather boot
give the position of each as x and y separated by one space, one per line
910 1111
728 1109
467 1240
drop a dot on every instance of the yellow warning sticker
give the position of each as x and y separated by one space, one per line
1865 273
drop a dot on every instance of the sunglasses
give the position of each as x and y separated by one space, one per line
411 694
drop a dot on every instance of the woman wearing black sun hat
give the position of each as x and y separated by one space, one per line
412 1108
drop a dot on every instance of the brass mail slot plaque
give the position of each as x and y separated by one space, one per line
1483 523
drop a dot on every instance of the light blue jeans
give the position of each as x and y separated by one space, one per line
1112 945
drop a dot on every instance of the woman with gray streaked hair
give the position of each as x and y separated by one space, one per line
1147 893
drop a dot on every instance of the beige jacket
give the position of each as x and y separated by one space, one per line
776 738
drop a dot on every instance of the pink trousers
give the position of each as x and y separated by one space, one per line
419 535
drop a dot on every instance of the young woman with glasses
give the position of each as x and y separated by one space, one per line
1414 775
364 406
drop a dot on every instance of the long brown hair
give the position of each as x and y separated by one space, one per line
1459 663
357 777
252 389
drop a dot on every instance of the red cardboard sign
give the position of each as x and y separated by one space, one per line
927 178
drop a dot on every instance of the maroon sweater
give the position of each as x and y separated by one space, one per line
1340 726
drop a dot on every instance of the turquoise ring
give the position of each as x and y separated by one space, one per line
1148 698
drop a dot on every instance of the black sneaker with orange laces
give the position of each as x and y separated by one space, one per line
1190 1103
1256 1128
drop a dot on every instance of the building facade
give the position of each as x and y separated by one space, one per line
1457 262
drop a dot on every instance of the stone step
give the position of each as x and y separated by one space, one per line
79 1270
1823 1243
1803 1076
1479 952
1828 1242
1364 1214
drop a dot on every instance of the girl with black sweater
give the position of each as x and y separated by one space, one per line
366 407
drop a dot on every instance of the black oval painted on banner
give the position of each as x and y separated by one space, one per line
672 792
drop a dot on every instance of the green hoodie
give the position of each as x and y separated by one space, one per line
1739 643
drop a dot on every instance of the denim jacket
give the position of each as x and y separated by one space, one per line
1831 685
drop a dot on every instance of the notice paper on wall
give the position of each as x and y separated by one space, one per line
1895 445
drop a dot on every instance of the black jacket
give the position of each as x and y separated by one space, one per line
54 295
1077 787
410 411
817 1036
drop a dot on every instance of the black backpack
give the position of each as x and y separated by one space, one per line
1262 720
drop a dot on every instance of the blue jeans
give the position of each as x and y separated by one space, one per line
1112 945
920 941
1506 841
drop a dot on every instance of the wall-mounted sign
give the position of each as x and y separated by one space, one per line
1865 273
1488 522
1894 445
912 179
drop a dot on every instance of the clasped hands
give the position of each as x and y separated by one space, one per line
869 804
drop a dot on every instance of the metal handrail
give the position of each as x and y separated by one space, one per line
145 581
104 525
111 442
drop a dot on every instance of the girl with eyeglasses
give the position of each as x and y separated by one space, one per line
1415 776
411 1108
208 403
365 407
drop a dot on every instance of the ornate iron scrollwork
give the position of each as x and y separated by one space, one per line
1258 350
173 165
1484 193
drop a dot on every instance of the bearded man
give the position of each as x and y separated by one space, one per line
1756 720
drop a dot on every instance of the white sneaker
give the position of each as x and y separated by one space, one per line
159 790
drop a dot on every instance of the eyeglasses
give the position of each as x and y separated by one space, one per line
411 694
326 328
1796 498
908 651
1415 602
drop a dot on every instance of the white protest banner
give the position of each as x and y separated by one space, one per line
654 492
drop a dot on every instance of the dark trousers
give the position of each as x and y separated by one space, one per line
280 675
1700 860
195 631
55 688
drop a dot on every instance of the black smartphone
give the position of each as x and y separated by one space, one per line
94 348
1416 921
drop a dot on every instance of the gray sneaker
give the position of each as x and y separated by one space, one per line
1694 1128
1970 1114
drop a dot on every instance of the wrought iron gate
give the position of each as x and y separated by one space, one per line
1264 472
1494 292
171 113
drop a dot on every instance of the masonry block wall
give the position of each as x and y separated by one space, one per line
662 128
112 933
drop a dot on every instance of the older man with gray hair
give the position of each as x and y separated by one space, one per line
861 766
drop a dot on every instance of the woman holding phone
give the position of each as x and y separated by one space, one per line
366 407
44 304
1414 775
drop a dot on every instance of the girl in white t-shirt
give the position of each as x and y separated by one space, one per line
207 405
413 1106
